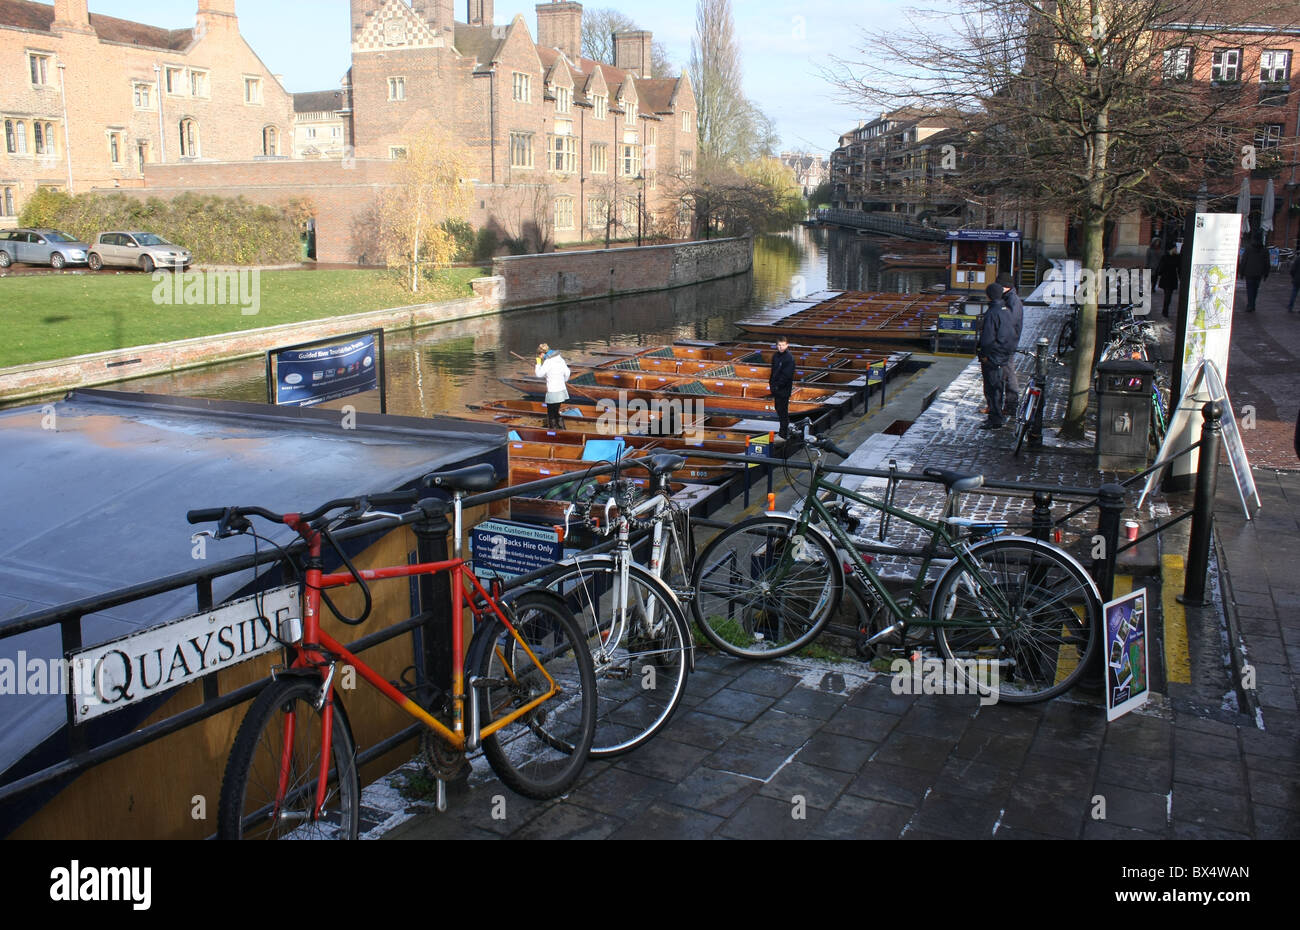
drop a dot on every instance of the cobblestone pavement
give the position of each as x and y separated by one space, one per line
804 749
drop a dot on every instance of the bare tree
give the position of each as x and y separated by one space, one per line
598 28
1082 107
528 215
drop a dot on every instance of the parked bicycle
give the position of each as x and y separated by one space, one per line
630 614
1014 609
529 700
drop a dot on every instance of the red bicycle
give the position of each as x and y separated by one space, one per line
529 700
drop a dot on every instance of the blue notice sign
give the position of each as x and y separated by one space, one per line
311 375
983 235
508 550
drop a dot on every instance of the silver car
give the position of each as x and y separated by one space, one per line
41 247
143 250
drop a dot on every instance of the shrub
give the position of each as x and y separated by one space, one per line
463 234
218 230
487 244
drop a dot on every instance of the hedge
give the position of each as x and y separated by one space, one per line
218 230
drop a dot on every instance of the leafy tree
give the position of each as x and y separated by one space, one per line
428 188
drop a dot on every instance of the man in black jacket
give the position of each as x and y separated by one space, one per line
781 383
1255 266
997 347
1017 309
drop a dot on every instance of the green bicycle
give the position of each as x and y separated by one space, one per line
1013 615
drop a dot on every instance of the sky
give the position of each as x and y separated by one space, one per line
782 44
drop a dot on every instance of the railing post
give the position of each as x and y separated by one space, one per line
1040 374
1110 499
1042 526
435 600
1207 479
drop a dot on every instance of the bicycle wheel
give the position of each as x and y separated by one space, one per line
1024 419
541 753
762 592
1022 625
640 645
269 788
1065 341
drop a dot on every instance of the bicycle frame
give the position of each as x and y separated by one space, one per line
465 586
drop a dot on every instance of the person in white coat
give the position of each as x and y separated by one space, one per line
552 367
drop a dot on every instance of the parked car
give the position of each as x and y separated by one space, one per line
143 250
41 247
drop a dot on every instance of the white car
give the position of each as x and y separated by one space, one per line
143 250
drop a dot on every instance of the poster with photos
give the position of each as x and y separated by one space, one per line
1128 683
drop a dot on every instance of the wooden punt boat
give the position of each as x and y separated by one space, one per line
568 458
914 260
587 418
733 443
859 317
753 353
749 398
549 507
708 370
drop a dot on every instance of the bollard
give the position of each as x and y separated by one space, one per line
1207 479
1040 375
749 473
431 546
1042 525
1110 499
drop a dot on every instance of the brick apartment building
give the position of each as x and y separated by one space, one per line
810 170
562 147
89 101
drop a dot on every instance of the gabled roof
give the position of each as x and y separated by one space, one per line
478 42
658 95
321 101
40 17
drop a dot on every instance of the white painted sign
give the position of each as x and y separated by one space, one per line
117 674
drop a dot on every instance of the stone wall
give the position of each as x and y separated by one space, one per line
562 276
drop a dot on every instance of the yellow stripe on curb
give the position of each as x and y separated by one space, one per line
1178 663
1123 585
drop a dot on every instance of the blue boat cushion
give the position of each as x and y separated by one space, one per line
603 450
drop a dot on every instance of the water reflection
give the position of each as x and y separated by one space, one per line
439 369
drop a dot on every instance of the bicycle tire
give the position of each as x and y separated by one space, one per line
783 604
1023 421
1048 592
1065 340
541 754
250 789
642 659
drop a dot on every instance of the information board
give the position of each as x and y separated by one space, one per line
316 372
508 550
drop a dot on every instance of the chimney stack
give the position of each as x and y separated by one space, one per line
632 53
559 25
217 14
71 16
479 13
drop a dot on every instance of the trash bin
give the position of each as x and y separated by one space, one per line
1124 414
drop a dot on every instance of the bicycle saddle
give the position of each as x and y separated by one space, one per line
475 478
955 481
664 464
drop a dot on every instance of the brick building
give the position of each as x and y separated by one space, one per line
810 170
322 123
90 101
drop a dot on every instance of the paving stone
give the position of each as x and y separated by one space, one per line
856 818
1275 823
1136 772
662 821
958 817
1016 719
1064 744
1019 833
1005 750
619 792
713 792
1222 810
1203 725
754 758
967 778
892 783
782 729
875 696
1140 737
702 685
1259 743
809 702
1070 774
937 718
664 758
1137 809
1208 772
818 786
913 751
1104 830
736 705
841 753
1186 830
1271 790
862 723
765 681
699 729
1037 804
568 822
769 819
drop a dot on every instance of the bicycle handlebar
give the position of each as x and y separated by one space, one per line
225 515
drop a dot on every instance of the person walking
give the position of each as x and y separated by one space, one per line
1167 274
552 367
1254 268
996 348
1155 254
781 383
1295 282
1016 307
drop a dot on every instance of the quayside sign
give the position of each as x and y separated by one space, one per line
117 674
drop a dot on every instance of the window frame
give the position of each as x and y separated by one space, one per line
253 82
600 106
521 87
1184 71
194 148
600 165
271 134
8 201
115 145
562 153
1219 66
45 60
563 100
1285 69
521 142
200 81
565 200
139 88
170 71
396 88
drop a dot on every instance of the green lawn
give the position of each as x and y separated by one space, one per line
54 316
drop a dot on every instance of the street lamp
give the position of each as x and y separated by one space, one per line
640 199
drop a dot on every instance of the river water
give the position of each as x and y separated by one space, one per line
438 369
